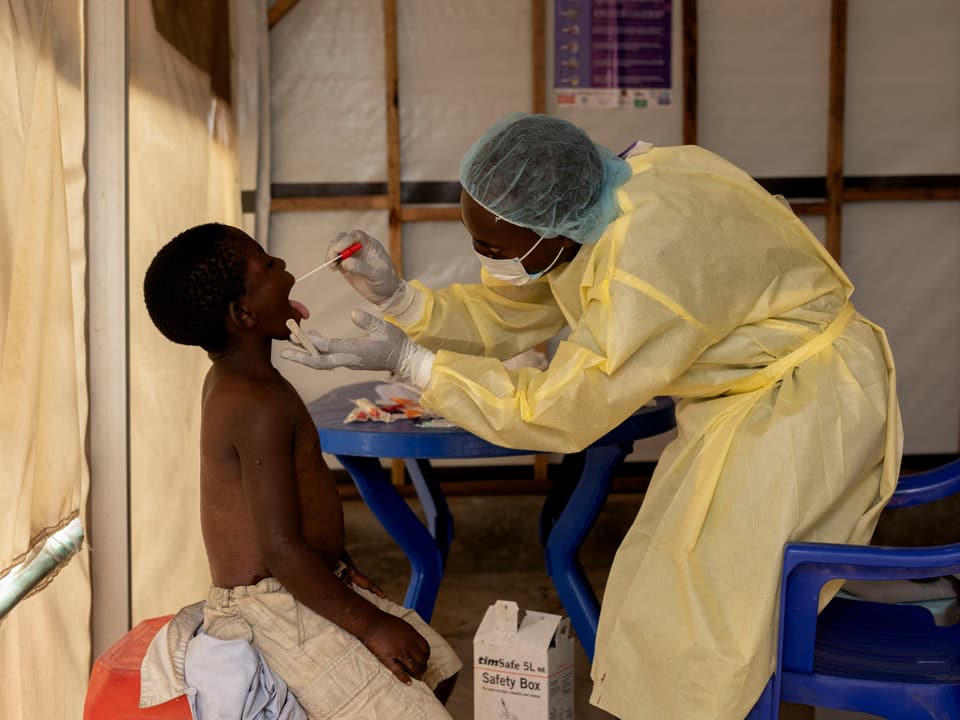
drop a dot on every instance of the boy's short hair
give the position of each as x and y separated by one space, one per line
191 282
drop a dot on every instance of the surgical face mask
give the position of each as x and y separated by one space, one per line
511 270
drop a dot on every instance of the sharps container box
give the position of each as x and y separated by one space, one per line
522 671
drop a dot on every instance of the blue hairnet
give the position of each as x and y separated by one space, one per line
546 174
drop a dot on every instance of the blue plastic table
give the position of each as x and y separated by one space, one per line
360 446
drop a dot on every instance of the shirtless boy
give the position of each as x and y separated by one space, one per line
271 517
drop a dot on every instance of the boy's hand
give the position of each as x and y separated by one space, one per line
355 577
399 647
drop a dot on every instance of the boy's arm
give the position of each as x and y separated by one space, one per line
264 442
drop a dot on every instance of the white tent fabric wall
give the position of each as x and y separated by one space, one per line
903 258
329 126
461 66
770 117
184 171
42 358
901 119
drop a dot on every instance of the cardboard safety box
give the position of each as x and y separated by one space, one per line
522 671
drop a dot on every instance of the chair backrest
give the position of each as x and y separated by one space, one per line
927 486
807 567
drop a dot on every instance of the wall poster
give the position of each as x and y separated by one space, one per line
613 53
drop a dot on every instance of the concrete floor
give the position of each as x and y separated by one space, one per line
496 555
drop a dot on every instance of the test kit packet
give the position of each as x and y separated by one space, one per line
525 671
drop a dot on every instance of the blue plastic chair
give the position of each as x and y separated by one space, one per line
890 660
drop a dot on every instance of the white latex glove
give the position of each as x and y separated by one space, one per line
381 347
371 271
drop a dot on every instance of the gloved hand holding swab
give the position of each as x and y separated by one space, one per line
296 334
342 255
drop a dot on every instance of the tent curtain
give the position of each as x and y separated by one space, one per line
44 641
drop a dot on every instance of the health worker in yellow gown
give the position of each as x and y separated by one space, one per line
678 275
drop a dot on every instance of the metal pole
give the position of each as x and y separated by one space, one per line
107 327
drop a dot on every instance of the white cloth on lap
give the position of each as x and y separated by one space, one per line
222 679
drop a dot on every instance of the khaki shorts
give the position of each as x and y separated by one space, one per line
332 674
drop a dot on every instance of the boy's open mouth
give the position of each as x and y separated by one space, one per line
300 309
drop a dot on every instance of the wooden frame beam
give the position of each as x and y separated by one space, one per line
809 208
538 57
902 194
395 224
393 131
431 213
340 202
276 12
835 117
538 104
690 55
451 213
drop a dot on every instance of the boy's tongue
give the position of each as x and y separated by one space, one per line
300 308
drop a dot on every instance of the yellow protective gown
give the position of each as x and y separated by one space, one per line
708 289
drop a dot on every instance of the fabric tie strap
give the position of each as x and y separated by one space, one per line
778 368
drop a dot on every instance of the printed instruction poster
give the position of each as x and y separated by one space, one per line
613 53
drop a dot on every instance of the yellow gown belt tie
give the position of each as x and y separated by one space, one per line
778 368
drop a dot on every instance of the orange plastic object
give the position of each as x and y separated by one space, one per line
348 251
114 689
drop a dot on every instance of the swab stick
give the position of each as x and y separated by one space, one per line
343 255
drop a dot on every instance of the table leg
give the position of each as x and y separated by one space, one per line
562 484
423 553
567 534
435 508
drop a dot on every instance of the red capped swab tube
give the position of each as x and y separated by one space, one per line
342 255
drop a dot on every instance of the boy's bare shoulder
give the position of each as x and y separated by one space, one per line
247 401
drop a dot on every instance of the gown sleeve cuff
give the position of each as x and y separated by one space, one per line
406 306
